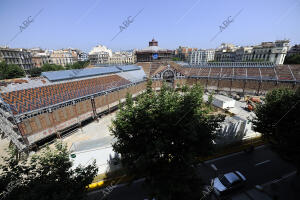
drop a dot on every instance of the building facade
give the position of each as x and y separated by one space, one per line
201 56
183 53
226 53
99 49
99 58
61 57
39 59
122 57
21 57
102 55
99 55
82 56
274 52
243 54
294 50
74 53
77 55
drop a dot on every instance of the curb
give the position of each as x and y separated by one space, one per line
257 143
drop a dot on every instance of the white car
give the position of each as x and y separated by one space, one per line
224 184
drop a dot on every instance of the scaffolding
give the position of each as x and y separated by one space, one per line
284 74
11 114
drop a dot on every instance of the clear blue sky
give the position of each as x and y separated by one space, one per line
86 23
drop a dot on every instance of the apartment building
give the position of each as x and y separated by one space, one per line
99 58
122 57
226 53
61 57
294 50
82 56
102 55
39 59
274 52
201 56
184 52
18 56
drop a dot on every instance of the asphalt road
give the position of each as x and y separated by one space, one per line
259 167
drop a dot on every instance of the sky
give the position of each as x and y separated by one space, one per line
204 24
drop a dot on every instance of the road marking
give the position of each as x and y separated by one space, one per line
279 179
290 174
263 162
223 157
260 147
232 154
214 167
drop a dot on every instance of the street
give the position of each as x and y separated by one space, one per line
260 167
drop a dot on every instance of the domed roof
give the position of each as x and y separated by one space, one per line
153 47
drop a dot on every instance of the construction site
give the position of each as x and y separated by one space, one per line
37 110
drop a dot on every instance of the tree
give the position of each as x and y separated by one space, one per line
79 64
278 121
3 69
176 59
13 71
293 59
52 67
160 136
34 72
68 66
8 71
210 100
47 175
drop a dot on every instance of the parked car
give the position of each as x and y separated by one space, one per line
223 185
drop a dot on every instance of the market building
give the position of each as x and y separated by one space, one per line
154 53
33 111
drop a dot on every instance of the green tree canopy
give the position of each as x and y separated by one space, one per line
278 121
34 72
78 65
176 59
294 59
68 66
160 137
52 67
47 175
3 69
9 71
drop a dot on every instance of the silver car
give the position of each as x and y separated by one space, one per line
224 184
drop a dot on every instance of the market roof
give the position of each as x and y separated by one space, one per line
22 101
79 73
129 67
